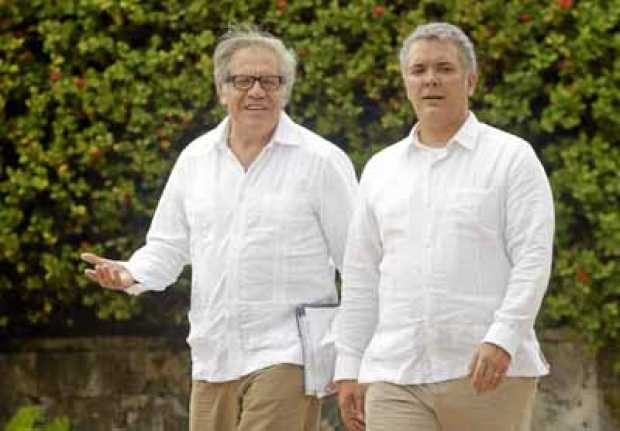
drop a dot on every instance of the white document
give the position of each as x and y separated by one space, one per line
315 329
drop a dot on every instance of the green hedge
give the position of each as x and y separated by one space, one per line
97 98
33 418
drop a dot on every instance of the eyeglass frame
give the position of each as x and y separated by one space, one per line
232 78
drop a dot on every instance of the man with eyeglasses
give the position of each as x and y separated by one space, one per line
259 206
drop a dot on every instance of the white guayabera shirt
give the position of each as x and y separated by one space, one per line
448 248
259 242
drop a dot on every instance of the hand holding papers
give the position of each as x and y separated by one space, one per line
314 322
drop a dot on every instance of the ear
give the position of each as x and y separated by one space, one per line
221 94
472 80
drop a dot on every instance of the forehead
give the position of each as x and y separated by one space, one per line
254 58
433 51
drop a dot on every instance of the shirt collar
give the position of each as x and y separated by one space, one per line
221 134
466 136
285 133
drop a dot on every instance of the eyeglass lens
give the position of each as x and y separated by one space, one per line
267 82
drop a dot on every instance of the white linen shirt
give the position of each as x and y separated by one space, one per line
259 242
447 249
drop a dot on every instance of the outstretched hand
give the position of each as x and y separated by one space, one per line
107 273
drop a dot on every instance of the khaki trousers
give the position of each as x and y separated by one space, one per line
450 406
272 399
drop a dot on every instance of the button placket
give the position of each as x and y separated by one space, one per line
429 208
242 198
426 221
428 204
230 275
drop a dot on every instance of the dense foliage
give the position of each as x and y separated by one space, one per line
97 97
33 418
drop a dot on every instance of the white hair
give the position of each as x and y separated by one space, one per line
237 39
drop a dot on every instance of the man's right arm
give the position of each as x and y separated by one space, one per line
160 261
357 317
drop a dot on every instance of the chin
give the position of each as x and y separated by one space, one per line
431 114
260 121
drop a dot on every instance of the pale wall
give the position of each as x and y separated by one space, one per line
135 384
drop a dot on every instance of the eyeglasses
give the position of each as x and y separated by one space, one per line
267 82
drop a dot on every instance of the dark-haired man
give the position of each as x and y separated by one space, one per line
447 261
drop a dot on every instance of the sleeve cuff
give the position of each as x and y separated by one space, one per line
505 336
136 288
347 367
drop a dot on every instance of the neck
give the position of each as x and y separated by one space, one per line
246 144
433 134
248 137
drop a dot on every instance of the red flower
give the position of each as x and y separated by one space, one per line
281 6
378 10
582 276
79 83
55 75
564 4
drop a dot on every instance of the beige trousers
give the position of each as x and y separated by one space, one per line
272 399
450 406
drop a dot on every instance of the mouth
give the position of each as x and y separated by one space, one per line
255 108
432 98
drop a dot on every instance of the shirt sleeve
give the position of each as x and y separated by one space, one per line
528 236
160 261
338 192
356 320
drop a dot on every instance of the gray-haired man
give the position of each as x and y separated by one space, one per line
260 207
447 262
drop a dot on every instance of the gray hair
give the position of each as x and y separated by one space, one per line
444 32
245 37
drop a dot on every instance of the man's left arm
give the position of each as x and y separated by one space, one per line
528 236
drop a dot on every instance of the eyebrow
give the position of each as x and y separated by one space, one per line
439 63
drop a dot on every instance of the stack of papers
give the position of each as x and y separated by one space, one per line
319 351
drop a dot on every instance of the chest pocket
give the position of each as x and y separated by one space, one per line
202 217
279 210
466 225
473 212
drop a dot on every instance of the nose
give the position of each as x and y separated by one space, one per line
256 90
431 78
